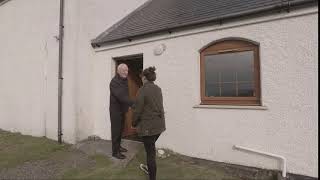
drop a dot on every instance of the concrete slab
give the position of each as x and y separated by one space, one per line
280 177
103 147
294 177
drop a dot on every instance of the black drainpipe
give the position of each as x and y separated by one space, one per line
60 83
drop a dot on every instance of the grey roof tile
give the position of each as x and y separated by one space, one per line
2 1
160 15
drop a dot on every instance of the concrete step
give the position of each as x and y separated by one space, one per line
104 147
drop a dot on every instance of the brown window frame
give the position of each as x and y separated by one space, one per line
231 46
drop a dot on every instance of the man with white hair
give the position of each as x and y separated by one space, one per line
119 105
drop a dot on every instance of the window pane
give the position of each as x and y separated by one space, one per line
245 76
212 77
213 90
228 90
245 89
228 76
228 70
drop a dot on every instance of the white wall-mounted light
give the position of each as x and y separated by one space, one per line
158 50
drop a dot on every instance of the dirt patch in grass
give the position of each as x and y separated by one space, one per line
53 167
174 167
184 167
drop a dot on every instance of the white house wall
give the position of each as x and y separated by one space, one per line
289 124
29 63
28 67
90 18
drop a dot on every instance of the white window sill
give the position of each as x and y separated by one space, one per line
230 107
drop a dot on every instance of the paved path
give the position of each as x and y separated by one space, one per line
103 147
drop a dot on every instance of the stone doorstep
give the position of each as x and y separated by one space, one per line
104 147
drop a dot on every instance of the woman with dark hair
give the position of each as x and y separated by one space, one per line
148 118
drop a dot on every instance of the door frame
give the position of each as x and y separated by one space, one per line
116 62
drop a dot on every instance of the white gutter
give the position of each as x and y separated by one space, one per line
281 158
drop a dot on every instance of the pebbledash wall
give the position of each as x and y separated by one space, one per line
28 66
84 20
29 63
286 124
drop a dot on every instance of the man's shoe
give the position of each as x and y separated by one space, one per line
119 156
123 149
144 168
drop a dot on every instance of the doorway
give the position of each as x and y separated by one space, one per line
135 65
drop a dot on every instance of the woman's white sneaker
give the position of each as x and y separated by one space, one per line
144 168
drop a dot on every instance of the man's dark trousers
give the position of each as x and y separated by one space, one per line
119 105
117 125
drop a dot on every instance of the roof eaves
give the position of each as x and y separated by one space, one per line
3 1
285 5
95 41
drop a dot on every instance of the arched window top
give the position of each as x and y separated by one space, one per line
230 72
229 43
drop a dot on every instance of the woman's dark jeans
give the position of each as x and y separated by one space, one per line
149 145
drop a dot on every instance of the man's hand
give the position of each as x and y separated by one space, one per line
134 125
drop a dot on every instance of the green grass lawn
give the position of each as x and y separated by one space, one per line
16 149
173 167
170 168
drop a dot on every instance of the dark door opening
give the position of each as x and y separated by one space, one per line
135 65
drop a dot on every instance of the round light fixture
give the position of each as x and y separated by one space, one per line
158 50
